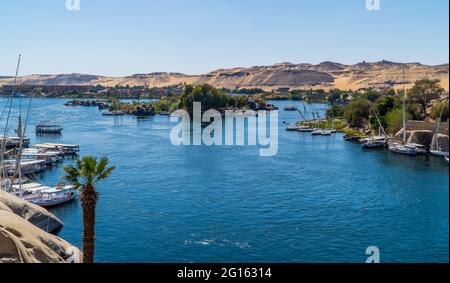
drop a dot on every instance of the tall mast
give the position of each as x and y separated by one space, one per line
3 145
438 127
404 106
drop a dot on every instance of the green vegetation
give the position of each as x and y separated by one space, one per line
394 120
212 98
339 124
358 114
423 92
436 110
166 104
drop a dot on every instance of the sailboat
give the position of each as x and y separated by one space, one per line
403 147
378 141
33 192
318 131
435 148
326 131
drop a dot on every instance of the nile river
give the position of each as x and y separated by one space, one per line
320 199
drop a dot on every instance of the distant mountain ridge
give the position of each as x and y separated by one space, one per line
296 76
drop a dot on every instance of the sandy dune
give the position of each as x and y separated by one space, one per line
296 76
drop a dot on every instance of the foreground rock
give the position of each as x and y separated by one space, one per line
23 238
34 214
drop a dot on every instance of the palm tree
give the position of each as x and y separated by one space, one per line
84 175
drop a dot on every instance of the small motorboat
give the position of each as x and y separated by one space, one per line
317 132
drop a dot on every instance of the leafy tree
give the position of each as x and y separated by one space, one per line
385 105
394 120
414 110
357 112
372 95
334 95
423 92
208 96
336 111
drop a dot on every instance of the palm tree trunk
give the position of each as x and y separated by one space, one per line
88 202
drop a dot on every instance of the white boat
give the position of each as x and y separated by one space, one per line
317 132
300 128
50 158
27 166
326 133
65 148
403 149
373 142
46 196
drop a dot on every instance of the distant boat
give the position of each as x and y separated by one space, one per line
114 113
351 138
378 141
290 108
403 147
48 128
317 132
300 128
373 142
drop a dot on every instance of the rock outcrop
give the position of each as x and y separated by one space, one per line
34 214
23 236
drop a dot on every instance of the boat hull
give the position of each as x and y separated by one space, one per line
55 202
439 153
403 151
373 145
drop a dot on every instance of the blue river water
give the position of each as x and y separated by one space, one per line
320 199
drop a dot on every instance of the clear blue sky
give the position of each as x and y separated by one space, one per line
122 37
